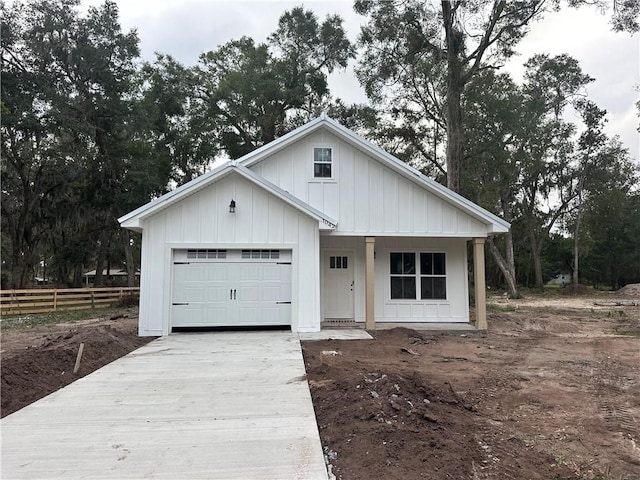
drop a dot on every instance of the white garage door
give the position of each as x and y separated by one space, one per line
215 288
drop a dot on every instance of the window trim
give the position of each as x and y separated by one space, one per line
331 163
417 276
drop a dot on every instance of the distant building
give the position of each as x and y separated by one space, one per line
115 277
561 279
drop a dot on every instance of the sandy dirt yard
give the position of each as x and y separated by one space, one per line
38 360
552 391
549 393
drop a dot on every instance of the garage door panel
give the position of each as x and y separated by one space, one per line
204 315
248 293
261 315
250 272
272 273
217 293
231 292
217 272
272 293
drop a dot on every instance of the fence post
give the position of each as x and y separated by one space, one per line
15 299
93 300
55 299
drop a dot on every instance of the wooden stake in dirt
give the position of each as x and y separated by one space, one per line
78 358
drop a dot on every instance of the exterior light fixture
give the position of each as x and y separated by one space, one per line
232 206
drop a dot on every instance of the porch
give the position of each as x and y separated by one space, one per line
391 281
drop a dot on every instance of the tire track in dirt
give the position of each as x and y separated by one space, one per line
620 411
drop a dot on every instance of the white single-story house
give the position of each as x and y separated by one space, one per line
561 279
317 227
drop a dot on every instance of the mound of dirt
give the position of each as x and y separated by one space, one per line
42 362
572 289
631 290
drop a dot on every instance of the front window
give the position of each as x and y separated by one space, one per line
403 275
433 280
322 162
430 271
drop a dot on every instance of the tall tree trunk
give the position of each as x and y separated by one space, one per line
454 138
128 255
100 260
507 271
18 270
536 252
535 245
576 247
455 84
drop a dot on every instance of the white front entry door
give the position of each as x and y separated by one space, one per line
236 290
337 286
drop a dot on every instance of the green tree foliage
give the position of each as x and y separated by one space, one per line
613 223
253 93
529 165
74 155
420 57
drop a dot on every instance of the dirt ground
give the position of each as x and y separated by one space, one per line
39 360
552 391
548 393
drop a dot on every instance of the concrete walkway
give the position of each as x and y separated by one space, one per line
201 405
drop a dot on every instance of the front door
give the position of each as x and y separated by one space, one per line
337 291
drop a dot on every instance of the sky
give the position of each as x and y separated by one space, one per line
186 28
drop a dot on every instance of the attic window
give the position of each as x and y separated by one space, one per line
322 157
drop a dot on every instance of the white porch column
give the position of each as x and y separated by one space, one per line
479 283
369 272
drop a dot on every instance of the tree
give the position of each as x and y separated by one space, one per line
73 146
602 165
453 40
420 56
545 149
35 144
176 128
492 125
613 223
253 93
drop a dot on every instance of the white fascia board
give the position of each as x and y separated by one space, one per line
326 222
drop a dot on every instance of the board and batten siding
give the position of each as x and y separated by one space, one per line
454 309
364 196
202 220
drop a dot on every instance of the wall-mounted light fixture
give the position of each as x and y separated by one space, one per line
232 206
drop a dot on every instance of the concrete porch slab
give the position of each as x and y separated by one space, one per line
205 405
354 333
429 326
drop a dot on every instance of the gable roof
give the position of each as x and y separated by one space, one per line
132 220
498 225
241 166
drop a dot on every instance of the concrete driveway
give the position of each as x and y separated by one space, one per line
202 405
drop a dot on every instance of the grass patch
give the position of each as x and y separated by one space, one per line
60 316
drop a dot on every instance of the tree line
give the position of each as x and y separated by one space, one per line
90 132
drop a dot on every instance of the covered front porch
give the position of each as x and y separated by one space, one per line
386 281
